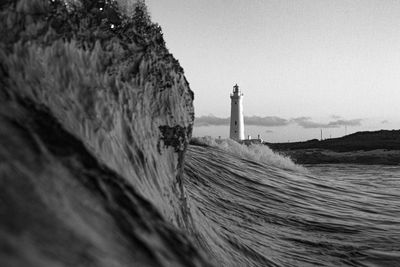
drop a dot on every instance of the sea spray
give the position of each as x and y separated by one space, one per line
256 152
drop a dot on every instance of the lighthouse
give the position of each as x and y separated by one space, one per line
237 122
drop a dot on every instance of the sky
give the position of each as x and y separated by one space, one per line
303 66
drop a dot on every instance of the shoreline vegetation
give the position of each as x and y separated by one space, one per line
377 147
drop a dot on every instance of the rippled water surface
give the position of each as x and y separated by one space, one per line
254 213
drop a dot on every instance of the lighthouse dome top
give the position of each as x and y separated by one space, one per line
236 91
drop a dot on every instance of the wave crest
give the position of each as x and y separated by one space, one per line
254 152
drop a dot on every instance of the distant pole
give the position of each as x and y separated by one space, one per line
321 134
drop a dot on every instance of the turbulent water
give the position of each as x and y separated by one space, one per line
95 168
253 213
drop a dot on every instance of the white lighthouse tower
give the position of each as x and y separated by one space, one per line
237 122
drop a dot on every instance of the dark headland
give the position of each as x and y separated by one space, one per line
377 147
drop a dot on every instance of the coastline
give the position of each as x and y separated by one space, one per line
377 147
324 156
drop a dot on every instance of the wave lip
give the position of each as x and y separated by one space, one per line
106 78
109 79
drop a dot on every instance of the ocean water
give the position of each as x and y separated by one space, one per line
255 208
91 149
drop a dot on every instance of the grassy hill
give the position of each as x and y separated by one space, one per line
378 147
383 139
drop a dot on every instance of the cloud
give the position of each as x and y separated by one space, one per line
273 121
338 123
211 120
307 123
335 117
265 121
253 120
269 131
384 121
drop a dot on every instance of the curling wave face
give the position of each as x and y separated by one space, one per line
95 117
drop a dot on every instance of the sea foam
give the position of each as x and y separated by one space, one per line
254 152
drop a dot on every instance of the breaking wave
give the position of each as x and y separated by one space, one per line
96 167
